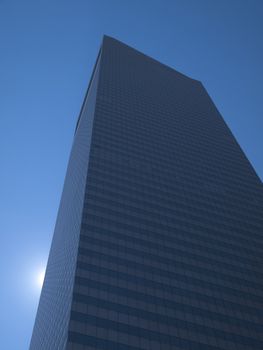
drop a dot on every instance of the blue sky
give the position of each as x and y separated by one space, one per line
47 51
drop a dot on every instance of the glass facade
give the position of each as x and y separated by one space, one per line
158 243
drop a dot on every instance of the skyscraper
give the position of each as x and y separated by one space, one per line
158 240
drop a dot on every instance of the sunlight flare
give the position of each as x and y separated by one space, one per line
40 278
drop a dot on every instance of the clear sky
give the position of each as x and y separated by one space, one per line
47 51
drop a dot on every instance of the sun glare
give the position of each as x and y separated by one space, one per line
40 278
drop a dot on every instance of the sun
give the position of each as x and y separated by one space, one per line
40 278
